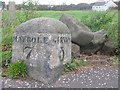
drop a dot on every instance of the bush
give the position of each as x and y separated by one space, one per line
17 69
96 20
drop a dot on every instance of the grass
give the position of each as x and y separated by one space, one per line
74 65
52 14
56 14
17 69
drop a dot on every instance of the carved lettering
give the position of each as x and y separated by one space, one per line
42 39
34 39
29 51
29 39
15 39
61 54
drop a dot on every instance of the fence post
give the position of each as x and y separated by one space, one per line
12 12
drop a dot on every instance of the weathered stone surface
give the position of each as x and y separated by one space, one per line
81 35
99 37
75 50
108 48
45 45
96 44
91 48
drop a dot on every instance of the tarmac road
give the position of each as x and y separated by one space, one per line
98 77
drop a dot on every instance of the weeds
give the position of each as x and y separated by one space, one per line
17 69
28 9
6 57
97 20
74 65
114 59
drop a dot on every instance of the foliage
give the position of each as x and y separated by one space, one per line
103 20
70 66
28 9
6 56
114 59
17 69
96 20
6 45
74 64
82 63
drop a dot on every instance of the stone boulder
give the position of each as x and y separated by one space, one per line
96 44
108 48
75 51
45 45
81 35
43 25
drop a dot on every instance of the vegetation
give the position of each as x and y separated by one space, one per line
114 59
28 10
17 69
6 57
74 64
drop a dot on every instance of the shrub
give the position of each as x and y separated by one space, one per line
17 69
96 20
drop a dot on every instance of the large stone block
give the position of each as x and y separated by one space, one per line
45 45
75 50
80 34
89 42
